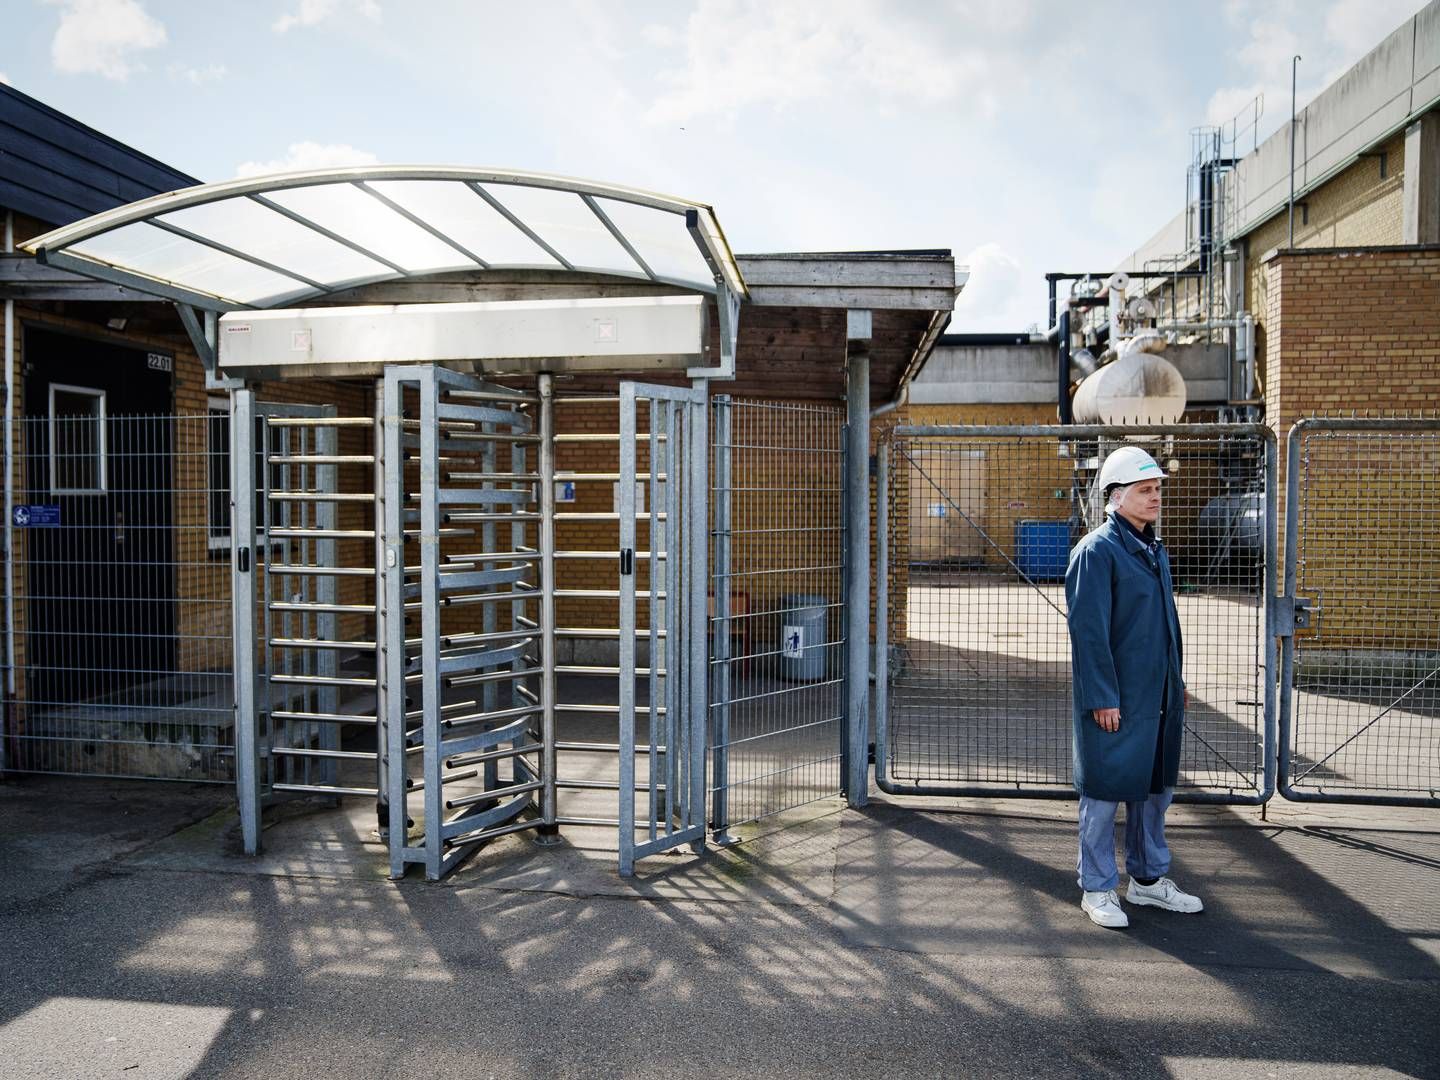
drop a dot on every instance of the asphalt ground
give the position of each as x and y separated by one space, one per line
910 938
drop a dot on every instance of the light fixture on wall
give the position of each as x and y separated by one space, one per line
116 323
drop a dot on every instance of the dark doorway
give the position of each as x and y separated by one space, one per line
99 547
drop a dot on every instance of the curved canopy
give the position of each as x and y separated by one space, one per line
293 238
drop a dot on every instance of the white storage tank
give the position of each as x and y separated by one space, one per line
1134 388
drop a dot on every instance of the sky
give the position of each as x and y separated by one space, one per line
1023 135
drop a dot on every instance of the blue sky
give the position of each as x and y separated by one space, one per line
1025 135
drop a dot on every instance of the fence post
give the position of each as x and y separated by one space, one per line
242 576
857 567
720 816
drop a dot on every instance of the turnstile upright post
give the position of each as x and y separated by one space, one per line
549 829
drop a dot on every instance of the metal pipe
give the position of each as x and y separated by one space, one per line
993 340
857 593
1062 362
549 828
1294 66
724 480
8 721
1085 431
882 605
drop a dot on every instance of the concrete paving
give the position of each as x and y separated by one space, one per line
911 938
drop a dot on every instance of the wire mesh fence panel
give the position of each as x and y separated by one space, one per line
1363 547
978 527
776 603
120 589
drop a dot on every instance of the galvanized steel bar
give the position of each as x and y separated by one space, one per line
857 591
626 688
549 811
724 463
698 668
243 602
393 653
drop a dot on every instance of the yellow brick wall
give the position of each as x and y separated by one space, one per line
1359 332
1357 208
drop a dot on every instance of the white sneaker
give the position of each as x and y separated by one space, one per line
1163 894
1104 909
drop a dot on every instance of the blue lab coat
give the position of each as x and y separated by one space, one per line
1125 653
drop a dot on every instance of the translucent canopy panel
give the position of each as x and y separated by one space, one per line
153 252
666 251
279 240
347 210
253 229
566 225
468 219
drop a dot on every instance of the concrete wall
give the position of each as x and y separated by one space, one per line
1393 84
1026 375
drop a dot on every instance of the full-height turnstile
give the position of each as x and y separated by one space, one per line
402 585
468 654
401 582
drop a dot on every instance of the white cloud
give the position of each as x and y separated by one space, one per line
314 12
308 155
199 76
993 295
99 37
741 53
1277 30
1355 26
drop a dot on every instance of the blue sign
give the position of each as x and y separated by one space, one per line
31 515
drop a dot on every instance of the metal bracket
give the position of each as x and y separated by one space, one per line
1292 613
204 338
727 303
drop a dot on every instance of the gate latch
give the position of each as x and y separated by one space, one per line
1292 613
242 557
627 562
1302 612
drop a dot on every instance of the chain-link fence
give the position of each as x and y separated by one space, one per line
777 623
120 593
1362 555
977 528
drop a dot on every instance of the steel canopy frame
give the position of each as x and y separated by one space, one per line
60 246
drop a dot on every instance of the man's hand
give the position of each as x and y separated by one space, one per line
1108 719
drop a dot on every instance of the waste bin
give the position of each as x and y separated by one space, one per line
802 636
1042 548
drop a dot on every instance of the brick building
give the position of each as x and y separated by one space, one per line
167 712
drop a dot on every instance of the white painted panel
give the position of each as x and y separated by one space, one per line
613 333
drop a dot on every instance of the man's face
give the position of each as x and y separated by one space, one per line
1140 502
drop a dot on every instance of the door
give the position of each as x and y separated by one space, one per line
664 700
98 429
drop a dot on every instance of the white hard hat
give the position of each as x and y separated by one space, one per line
1128 465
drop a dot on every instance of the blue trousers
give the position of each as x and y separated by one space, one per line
1146 853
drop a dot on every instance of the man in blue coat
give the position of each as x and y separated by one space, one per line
1129 698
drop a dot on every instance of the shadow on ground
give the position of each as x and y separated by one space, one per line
888 941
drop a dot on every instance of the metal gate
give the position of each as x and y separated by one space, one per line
468 644
663 482
1360 666
304 603
118 594
777 607
975 533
